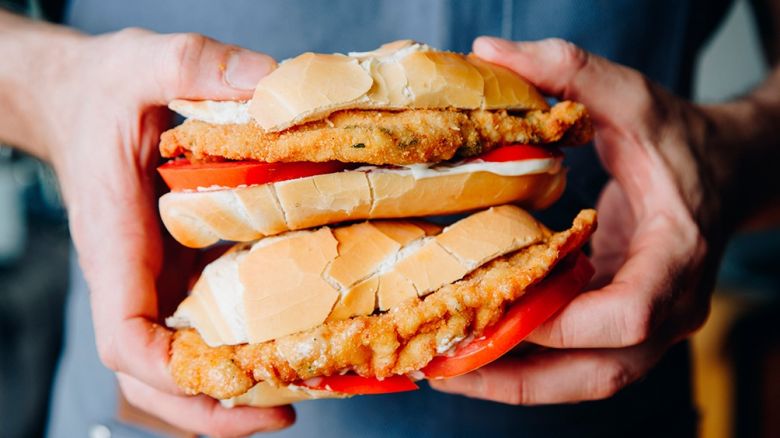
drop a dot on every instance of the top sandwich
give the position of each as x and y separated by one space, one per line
405 111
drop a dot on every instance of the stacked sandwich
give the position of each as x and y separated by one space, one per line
336 287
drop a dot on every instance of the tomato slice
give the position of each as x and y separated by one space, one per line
542 301
519 152
354 384
181 174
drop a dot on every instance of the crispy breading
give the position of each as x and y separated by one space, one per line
381 137
399 341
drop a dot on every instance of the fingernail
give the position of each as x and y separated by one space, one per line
244 68
496 44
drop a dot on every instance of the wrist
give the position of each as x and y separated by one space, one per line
740 150
36 57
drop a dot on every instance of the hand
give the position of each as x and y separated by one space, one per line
657 245
101 120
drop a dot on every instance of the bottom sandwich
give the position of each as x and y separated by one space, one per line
369 307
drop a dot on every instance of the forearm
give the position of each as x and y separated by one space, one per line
741 149
31 54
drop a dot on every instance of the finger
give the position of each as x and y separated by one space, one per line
619 99
612 239
202 414
559 68
121 255
193 66
116 232
555 376
626 311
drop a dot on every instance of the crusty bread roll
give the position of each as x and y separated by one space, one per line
398 75
198 219
265 395
298 280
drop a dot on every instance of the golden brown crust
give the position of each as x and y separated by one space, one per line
400 341
380 137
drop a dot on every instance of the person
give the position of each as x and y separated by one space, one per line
679 179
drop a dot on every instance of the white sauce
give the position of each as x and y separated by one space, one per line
446 345
394 56
508 168
422 171
212 111
223 279
237 112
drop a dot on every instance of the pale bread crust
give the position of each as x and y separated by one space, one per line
399 75
297 281
265 395
199 219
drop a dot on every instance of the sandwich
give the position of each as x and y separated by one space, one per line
335 286
403 131
368 307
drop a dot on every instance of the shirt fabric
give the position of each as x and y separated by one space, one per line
658 37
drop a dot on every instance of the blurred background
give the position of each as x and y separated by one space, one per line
735 354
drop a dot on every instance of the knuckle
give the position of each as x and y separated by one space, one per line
131 394
513 393
564 335
517 395
646 89
132 33
219 426
107 356
183 46
522 393
691 246
560 337
610 377
569 54
571 59
646 98
685 228
637 324
182 49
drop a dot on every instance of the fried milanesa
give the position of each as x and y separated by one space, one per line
381 137
400 341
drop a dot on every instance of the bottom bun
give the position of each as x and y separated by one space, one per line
265 395
201 218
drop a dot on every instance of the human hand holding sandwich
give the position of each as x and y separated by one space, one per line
94 108
675 194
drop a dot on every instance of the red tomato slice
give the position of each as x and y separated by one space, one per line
519 152
354 384
182 175
542 301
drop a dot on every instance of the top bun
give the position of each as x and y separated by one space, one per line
399 75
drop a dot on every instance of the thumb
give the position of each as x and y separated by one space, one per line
561 69
195 67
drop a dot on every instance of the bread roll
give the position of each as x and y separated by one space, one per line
298 280
265 395
199 219
398 75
